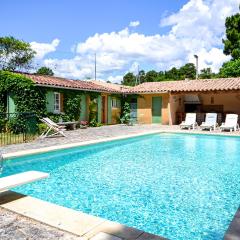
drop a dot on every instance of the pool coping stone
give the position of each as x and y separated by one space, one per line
69 220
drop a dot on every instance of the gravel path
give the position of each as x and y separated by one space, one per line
16 227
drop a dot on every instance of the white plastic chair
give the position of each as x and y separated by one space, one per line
231 123
190 121
210 122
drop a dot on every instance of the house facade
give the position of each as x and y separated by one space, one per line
106 100
152 102
168 102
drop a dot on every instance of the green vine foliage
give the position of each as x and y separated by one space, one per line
27 97
93 108
126 113
94 95
72 105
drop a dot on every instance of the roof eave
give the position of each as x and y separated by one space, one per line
76 89
147 92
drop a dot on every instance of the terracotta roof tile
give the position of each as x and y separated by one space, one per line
68 83
203 85
114 86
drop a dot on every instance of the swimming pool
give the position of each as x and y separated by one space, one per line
175 185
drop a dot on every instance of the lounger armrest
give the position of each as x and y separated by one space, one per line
61 127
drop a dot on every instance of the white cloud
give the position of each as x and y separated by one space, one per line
115 79
197 28
213 58
134 68
44 48
134 24
76 67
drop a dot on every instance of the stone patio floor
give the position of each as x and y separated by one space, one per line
15 226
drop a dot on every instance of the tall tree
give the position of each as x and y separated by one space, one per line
173 74
230 69
15 54
232 41
142 76
206 73
161 76
129 79
45 71
151 76
188 71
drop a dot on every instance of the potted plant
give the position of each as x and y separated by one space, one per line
83 124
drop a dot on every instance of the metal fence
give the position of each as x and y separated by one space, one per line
17 127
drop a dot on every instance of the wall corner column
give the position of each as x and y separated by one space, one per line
109 109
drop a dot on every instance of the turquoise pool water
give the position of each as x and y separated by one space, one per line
175 185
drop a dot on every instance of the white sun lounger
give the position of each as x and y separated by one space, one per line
210 122
231 123
190 121
52 126
21 179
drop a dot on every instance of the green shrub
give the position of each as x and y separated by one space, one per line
94 123
16 125
59 117
126 113
42 127
3 125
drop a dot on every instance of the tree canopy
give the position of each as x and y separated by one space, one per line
15 54
232 41
230 69
129 79
186 71
45 71
206 73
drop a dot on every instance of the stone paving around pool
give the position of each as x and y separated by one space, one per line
54 222
65 223
82 135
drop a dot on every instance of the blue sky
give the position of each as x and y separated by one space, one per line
162 33
74 21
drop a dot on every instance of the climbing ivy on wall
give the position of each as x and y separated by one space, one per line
26 95
72 104
93 109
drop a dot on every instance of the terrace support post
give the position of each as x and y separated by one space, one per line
99 109
83 112
109 108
